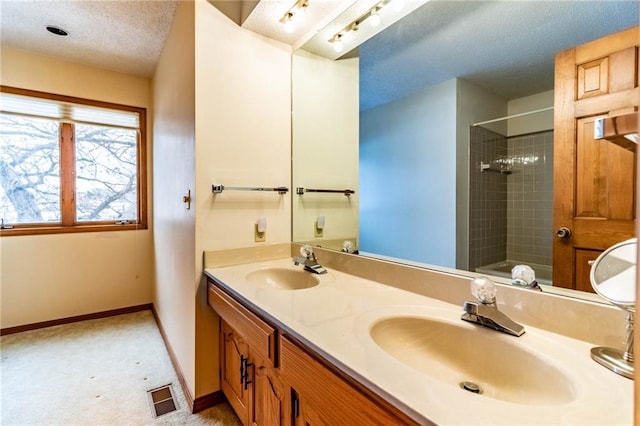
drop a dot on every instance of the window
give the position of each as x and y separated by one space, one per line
70 164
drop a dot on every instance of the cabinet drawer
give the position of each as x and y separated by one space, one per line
335 400
259 335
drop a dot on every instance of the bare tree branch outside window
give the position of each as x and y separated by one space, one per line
106 173
30 185
29 170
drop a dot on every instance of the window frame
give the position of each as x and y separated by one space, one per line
68 222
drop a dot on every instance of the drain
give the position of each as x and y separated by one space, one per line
471 387
162 400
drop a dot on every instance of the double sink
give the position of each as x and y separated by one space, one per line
478 361
425 340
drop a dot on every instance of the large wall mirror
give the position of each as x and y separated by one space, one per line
406 137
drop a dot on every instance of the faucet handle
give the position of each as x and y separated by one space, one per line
306 251
484 290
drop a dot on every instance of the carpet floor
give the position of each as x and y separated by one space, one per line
95 372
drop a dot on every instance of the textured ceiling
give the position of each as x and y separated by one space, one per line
123 36
505 47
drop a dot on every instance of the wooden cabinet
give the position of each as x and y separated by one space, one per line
268 397
251 384
270 380
233 352
318 396
248 376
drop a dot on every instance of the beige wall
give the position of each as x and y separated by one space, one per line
325 151
222 104
242 86
174 236
57 276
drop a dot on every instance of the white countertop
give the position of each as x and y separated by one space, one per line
335 317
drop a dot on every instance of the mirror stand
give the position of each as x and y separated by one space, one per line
614 359
613 276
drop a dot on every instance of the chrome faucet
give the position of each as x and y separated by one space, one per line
309 260
485 312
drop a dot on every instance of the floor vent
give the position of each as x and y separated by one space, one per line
162 400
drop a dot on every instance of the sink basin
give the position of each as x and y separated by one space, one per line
283 278
473 359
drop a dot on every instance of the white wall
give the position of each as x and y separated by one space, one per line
325 148
174 235
49 277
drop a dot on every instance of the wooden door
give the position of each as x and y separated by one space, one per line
594 180
232 351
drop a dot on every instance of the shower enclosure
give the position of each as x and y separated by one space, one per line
510 202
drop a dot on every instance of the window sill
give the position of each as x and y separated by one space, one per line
48 230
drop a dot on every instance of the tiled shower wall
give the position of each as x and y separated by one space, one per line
530 198
511 214
487 199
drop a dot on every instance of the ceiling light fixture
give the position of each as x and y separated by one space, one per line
57 31
338 45
289 15
372 15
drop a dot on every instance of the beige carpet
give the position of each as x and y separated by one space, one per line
93 372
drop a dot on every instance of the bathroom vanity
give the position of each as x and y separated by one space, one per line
300 348
270 379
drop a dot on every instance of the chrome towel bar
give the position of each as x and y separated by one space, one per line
217 189
347 192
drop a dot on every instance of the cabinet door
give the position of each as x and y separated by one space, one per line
267 394
232 370
321 397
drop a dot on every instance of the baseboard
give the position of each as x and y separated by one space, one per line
195 404
209 400
172 356
69 320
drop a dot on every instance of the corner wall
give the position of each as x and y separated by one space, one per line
174 235
474 105
48 277
242 138
325 148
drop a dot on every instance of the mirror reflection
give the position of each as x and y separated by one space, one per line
416 124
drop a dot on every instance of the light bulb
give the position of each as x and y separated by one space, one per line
338 46
374 18
288 26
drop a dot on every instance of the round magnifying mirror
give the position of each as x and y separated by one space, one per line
613 276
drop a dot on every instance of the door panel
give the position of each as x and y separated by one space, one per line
268 395
233 347
594 180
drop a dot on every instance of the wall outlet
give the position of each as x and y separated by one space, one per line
260 237
317 231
